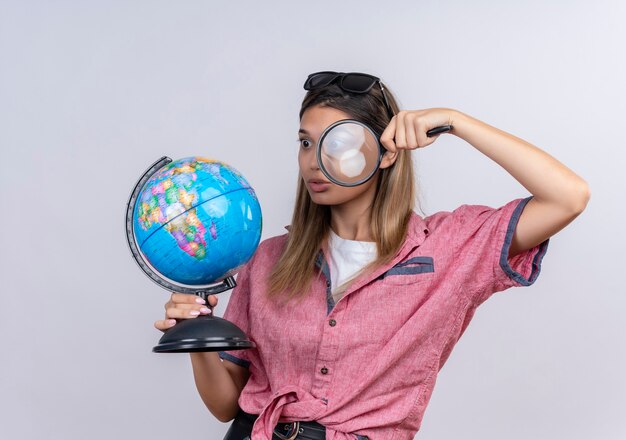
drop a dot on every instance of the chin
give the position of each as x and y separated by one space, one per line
324 198
319 200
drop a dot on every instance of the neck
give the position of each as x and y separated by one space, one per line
352 220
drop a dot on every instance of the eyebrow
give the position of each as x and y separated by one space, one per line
303 131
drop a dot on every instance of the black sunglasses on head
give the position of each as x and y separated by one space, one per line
353 82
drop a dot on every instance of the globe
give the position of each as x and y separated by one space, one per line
196 221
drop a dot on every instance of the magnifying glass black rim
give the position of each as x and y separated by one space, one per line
381 152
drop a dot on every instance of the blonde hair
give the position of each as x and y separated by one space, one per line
391 210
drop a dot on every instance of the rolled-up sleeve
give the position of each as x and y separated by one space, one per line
484 237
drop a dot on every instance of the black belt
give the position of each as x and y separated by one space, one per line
241 429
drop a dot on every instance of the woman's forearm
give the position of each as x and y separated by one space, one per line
547 179
215 385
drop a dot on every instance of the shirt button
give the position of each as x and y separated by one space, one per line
332 323
324 370
327 283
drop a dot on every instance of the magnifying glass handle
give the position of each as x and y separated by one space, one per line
437 130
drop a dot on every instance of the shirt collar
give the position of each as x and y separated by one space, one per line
418 230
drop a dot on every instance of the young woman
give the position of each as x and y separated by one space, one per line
357 307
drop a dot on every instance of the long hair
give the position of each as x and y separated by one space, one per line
310 225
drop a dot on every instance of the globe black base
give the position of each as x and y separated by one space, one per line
204 333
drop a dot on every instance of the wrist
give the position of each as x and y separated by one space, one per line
460 123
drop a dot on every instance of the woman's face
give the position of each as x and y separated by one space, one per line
323 192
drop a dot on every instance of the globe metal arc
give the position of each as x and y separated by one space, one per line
190 225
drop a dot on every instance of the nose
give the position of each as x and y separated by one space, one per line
311 159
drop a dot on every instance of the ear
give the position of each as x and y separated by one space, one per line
389 158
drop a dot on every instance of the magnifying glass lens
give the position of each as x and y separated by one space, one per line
349 153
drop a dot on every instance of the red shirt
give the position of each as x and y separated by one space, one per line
367 365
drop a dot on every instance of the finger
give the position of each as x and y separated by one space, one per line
181 313
187 306
164 324
411 128
212 300
432 139
186 298
400 135
421 137
387 137
425 140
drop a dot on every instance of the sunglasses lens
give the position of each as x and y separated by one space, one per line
359 83
318 80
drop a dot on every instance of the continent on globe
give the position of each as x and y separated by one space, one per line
197 221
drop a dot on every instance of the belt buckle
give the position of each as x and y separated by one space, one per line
294 433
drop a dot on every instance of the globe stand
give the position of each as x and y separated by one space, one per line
204 333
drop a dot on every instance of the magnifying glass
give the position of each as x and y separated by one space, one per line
349 152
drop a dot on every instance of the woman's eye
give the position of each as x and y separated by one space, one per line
305 143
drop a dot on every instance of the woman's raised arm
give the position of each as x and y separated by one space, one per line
559 194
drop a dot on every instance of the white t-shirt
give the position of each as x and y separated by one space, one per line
346 258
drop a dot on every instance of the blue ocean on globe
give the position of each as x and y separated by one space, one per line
197 221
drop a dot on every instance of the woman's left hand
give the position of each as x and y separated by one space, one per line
407 129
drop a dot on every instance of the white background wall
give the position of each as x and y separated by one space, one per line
91 93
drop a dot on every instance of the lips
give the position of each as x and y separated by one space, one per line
317 185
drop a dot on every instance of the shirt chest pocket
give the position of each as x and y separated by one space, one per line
412 271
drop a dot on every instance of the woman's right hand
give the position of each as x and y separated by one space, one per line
184 306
